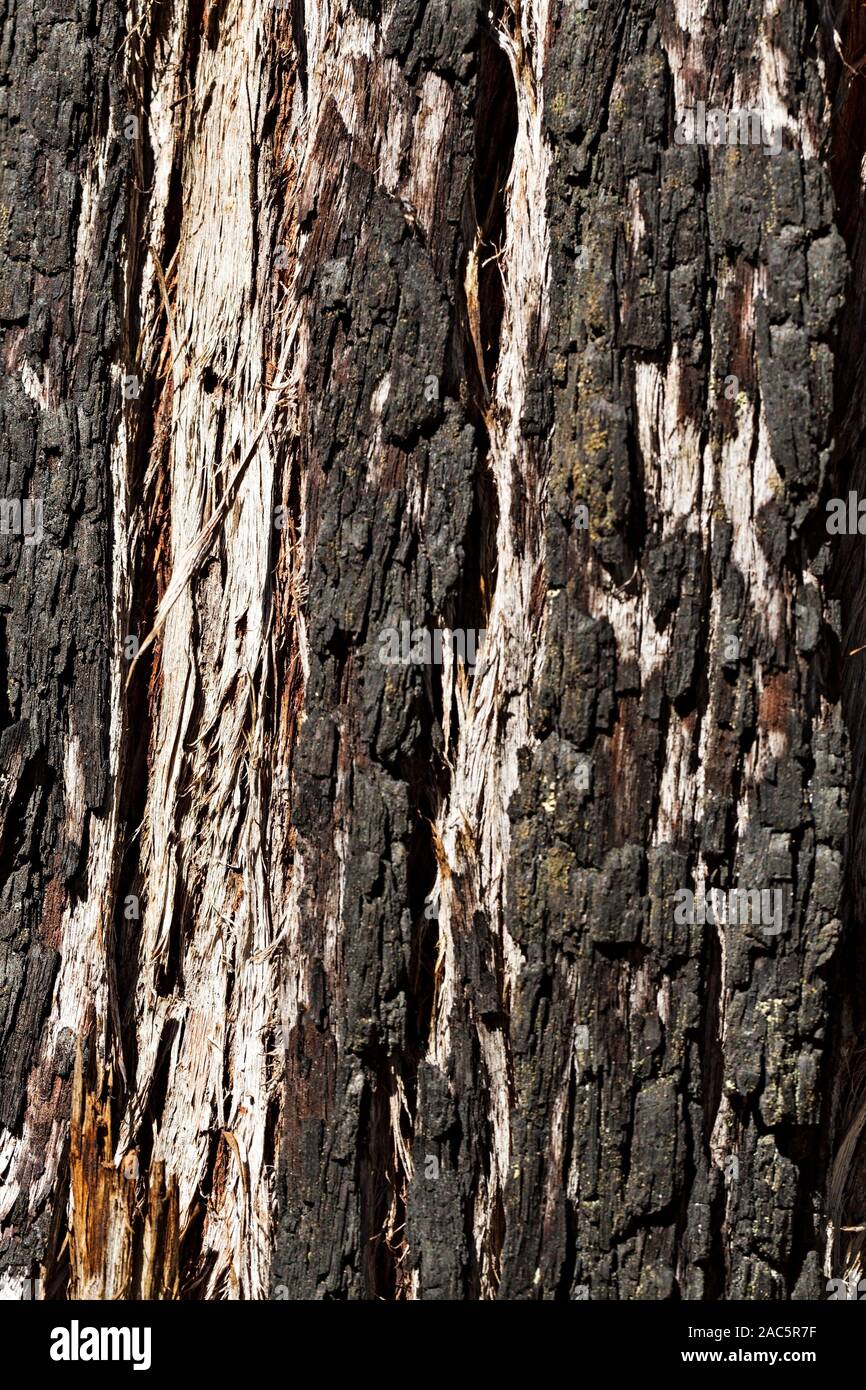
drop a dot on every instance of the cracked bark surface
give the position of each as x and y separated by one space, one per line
322 977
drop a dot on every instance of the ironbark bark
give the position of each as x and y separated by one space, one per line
324 976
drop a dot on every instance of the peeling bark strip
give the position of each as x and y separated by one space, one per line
525 333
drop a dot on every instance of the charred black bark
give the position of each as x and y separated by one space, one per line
64 185
364 965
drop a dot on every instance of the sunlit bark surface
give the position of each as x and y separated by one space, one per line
329 326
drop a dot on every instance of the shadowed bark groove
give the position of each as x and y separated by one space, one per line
330 973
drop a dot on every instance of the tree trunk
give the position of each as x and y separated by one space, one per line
340 958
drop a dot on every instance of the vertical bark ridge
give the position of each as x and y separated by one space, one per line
63 200
493 716
674 268
842 561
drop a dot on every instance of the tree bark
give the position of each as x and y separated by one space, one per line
324 975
